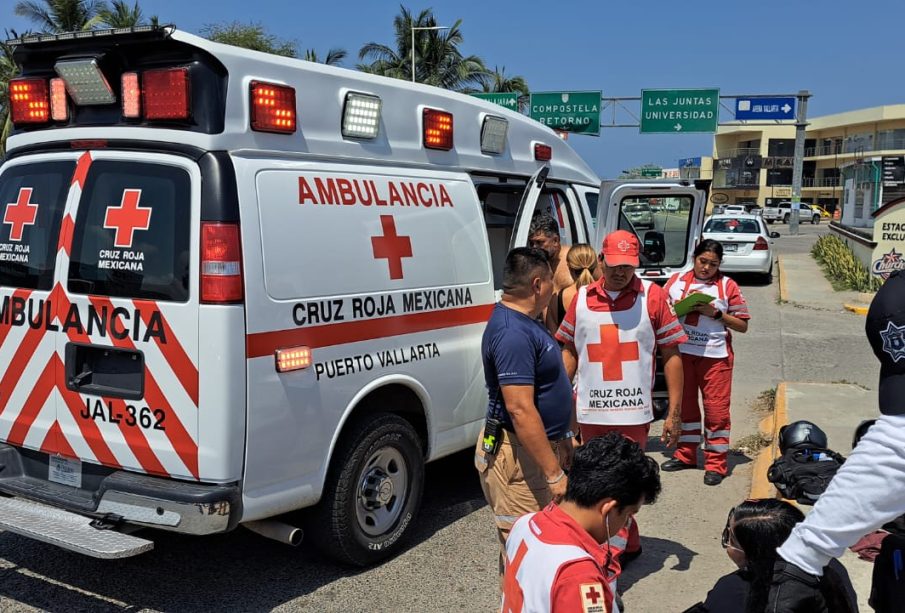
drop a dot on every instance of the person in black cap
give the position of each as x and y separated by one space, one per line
869 489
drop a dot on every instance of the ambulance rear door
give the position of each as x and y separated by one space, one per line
527 207
666 216
128 308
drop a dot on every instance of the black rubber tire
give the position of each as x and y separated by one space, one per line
786 218
767 278
334 525
770 222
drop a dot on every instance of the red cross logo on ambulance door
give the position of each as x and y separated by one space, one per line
20 213
391 246
611 353
127 218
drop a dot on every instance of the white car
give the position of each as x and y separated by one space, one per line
640 214
747 244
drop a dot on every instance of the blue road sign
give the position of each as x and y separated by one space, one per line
690 162
765 108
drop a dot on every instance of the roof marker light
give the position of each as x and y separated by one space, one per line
361 116
166 93
85 82
29 101
493 134
272 108
131 95
542 152
59 109
438 129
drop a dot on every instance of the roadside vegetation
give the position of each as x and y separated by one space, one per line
841 266
751 444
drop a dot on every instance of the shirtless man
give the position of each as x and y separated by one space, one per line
544 234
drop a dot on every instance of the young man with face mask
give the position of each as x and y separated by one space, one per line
555 561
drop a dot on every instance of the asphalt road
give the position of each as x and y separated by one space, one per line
451 563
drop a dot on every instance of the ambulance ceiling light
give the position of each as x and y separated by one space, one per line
29 101
361 116
85 82
493 134
272 108
438 129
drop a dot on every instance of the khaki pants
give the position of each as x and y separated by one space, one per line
513 483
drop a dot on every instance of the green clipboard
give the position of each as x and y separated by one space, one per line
684 306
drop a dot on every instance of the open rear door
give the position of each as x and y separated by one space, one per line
527 207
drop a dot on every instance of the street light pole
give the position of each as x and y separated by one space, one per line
413 28
800 125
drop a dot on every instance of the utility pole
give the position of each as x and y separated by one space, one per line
798 162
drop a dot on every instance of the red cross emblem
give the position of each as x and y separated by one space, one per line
391 246
624 246
611 353
20 213
593 595
127 218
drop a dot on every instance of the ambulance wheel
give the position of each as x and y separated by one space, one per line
373 492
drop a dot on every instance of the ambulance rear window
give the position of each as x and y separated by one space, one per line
132 232
32 198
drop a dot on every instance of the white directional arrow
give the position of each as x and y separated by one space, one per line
786 108
677 127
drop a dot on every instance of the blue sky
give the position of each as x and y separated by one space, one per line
847 54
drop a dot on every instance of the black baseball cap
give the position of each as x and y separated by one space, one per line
885 329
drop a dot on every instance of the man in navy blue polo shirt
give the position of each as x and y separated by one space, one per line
529 394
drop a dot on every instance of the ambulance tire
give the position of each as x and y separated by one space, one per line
373 448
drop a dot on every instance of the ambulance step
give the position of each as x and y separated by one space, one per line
67 530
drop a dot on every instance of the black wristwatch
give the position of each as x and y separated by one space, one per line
718 315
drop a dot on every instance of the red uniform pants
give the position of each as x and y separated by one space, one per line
712 377
628 539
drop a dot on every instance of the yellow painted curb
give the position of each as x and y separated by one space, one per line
783 289
860 310
770 425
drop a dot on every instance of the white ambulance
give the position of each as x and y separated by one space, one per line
234 285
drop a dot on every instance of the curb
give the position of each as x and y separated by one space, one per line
770 425
783 290
854 308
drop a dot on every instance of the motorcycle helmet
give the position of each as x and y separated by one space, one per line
801 434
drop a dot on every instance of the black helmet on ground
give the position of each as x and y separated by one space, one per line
800 435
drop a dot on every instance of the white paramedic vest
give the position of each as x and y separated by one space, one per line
540 565
615 363
706 336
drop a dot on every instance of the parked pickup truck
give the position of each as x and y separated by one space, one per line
784 211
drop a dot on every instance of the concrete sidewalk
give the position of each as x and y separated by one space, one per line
802 283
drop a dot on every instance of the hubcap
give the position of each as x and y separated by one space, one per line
382 491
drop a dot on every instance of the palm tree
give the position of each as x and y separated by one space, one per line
334 57
121 15
438 60
498 82
54 16
8 70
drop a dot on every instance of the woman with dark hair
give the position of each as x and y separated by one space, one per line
754 530
707 360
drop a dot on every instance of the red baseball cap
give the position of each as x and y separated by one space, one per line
621 248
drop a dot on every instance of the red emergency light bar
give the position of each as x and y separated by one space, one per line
29 100
166 93
272 108
542 152
438 129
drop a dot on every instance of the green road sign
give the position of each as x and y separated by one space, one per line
576 112
679 110
651 172
507 100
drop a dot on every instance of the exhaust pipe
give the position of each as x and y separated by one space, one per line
277 531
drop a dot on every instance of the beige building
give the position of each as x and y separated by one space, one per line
854 161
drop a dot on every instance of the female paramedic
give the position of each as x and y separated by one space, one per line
707 360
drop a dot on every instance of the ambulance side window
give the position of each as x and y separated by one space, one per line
131 235
32 198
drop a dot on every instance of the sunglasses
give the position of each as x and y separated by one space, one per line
728 536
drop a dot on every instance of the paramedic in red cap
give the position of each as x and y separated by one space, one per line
610 337
869 489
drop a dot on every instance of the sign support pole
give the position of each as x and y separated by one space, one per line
800 125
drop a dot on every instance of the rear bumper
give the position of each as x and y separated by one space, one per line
120 497
758 261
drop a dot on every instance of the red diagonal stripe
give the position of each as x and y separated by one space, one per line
81 170
66 229
172 351
32 407
55 442
265 343
6 327
138 442
89 430
179 437
18 364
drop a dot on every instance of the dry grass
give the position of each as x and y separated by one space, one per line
751 444
765 401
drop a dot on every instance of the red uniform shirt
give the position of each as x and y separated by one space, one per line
667 329
554 566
